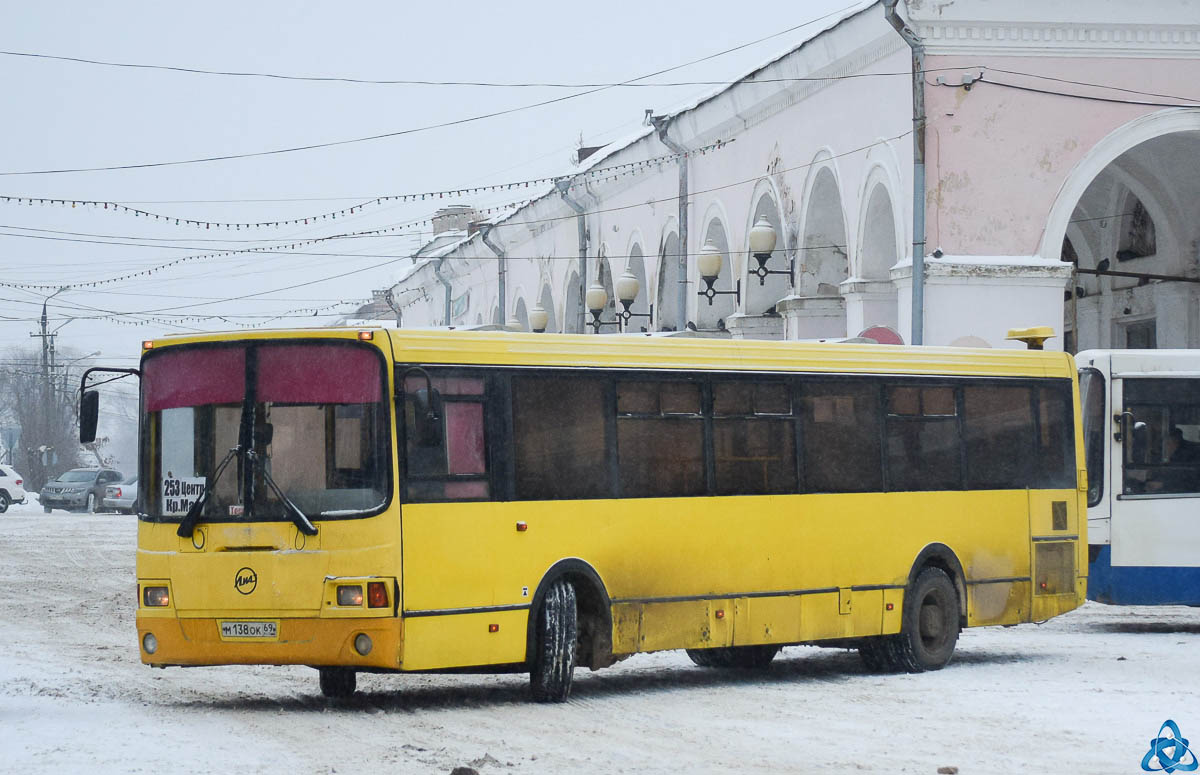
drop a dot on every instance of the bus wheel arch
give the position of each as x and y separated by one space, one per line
594 612
942 557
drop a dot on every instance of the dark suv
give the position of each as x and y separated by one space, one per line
80 489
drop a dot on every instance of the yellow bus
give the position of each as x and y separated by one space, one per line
384 500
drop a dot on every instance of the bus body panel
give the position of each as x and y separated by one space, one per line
680 572
1144 545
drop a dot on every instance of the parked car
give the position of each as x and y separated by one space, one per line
80 489
11 489
121 497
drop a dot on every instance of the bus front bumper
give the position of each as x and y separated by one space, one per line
298 641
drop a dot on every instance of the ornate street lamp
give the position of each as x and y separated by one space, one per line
538 318
595 299
762 244
709 263
627 291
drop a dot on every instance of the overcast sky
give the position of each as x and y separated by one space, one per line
67 115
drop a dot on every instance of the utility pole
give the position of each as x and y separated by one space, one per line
45 405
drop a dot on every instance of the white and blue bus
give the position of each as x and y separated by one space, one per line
1141 421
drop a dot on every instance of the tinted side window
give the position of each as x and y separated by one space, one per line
1056 438
660 439
445 449
841 436
998 429
559 438
754 438
922 438
1092 393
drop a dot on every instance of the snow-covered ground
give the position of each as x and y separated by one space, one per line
1082 693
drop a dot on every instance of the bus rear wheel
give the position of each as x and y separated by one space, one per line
553 663
929 630
746 657
337 682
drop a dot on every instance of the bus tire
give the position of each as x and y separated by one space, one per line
745 657
875 654
553 662
337 682
929 629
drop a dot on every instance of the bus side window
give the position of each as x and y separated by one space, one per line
841 436
1163 457
559 438
922 438
660 439
998 434
754 438
1056 438
446 452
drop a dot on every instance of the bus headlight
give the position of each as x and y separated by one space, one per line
350 595
155 596
149 643
362 643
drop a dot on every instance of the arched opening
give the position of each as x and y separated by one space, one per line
666 309
521 314
605 278
1131 237
819 310
572 306
762 294
713 315
870 294
641 303
547 302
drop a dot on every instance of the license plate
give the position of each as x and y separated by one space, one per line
249 630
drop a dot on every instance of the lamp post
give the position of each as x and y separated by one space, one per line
709 263
595 298
762 244
627 290
538 318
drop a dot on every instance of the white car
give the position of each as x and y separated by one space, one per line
121 497
11 489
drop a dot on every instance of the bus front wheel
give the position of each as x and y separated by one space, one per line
553 662
929 630
337 682
746 657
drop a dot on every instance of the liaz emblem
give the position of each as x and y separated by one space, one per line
245 580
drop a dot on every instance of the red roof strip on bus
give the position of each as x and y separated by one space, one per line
318 374
194 377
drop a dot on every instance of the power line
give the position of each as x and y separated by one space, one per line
414 130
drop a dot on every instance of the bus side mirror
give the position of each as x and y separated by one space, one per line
89 413
427 417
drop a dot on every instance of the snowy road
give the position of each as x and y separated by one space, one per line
1083 693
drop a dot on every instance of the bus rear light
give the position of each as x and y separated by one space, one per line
155 596
362 643
376 594
149 643
350 596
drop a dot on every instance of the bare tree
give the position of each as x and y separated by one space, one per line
44 407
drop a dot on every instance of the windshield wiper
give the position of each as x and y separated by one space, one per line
188 525
303 524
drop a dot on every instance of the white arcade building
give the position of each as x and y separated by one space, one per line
1053 150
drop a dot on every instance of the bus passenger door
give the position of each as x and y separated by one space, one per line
1155 456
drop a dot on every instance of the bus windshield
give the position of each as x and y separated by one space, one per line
309 416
